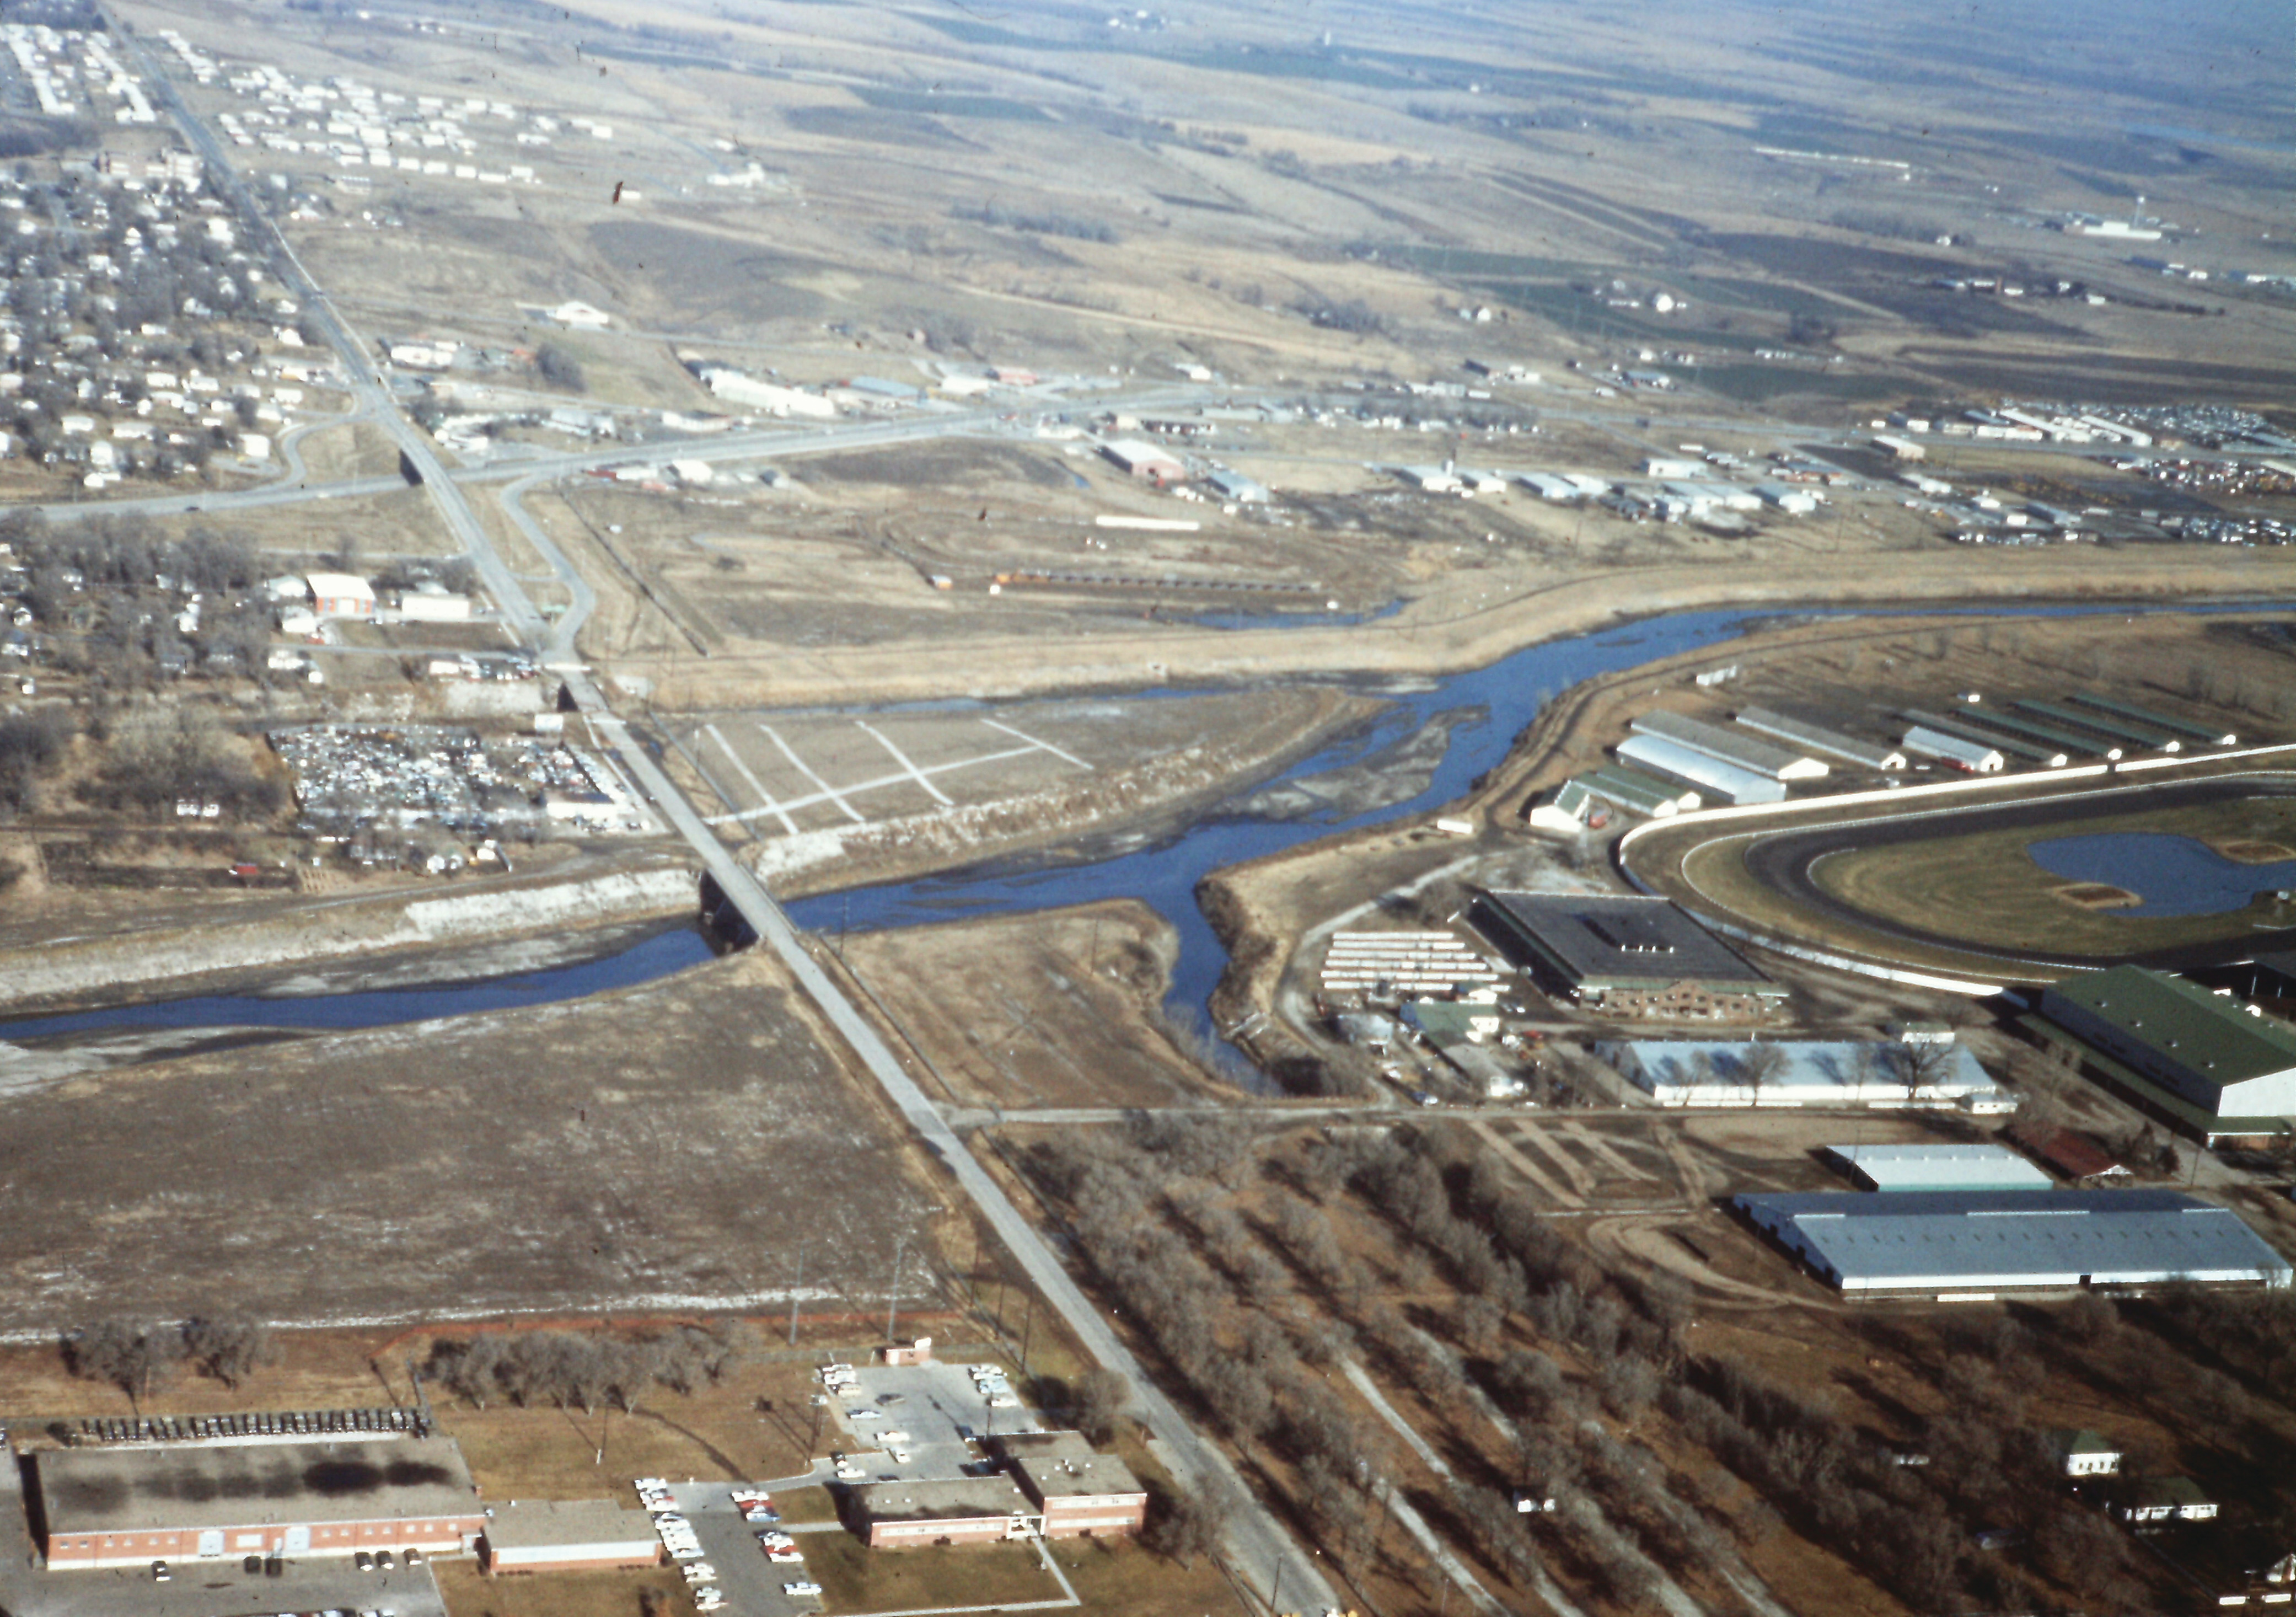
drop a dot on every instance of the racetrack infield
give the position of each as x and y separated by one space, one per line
1952 887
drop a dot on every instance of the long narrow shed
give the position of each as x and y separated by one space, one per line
1817 738
1710 775
1936 743
2106 724
2203 734
1742 751
2009 746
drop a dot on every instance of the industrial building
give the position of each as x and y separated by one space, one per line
1807 1072
2200 1061
130 1506
1710 776
1924 742
561 1536
1079 1493
1741 752
1963 1244
1819 739
1631 954
1144 461
1937 1167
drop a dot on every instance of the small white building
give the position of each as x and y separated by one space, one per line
341 595
434 606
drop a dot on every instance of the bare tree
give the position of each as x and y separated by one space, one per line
229 1348
1758 1065
1187 1526
1100 1397
1922 1066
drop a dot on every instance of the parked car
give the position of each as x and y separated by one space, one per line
159 1572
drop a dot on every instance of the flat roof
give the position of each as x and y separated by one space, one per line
565 1523
1061 1464
1898 1169
2008 1239
85 1490
955 1499
1622 941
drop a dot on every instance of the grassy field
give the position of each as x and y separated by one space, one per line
1987 889
471 1593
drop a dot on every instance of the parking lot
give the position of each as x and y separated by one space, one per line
938 1411
751 1584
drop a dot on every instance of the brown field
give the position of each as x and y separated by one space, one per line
610 1153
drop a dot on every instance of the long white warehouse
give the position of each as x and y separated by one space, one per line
1741 752
1819 739
1983 1243
1713 778
1926 742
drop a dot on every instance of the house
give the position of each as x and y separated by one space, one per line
2154 1500
2083 1452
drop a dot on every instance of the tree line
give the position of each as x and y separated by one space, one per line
589 1367
140 1357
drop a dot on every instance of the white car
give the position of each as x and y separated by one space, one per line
850 1473
699 1572
889 1438
900 1456
866 1414
783 1557
686 1552
800 1588
776 1540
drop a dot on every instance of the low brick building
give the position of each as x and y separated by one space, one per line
215 1501
965 1510
567 1535
1078 1492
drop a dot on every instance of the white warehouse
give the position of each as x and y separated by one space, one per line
1713 778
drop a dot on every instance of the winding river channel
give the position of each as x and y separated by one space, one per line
1434 740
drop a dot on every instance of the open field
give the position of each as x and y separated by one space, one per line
1057 1009
611 1153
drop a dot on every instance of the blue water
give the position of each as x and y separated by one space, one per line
656 956
2173 875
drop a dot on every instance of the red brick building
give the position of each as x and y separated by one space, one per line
222 1501
1077 1493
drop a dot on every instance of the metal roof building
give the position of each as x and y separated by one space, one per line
1810 1073
1937 1167
1599 944
2214 737
2104 724
1819 739
1710 775
1974 730
1964 1242
1744 751
2200 1058
1936 743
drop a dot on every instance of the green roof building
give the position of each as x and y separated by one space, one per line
2199 1059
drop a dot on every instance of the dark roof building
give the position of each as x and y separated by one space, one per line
2196 1059
1979 1243
131 1506
1596 947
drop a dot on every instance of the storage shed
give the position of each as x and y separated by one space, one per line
1937 1167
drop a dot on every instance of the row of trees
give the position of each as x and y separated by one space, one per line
142 1356
589 1367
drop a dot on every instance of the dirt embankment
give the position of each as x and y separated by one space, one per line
79 970
1176 784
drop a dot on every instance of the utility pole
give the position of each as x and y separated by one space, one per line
795 1288
893 1300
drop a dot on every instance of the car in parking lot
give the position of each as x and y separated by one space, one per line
159 1572
867 1414
800 1588
891 1438
901 1457
699 1572
363 1561
776 1540
385 1560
